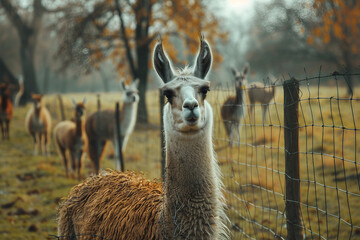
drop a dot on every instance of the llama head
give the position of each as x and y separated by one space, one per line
241 77
185 89
131 92
37 100
79 108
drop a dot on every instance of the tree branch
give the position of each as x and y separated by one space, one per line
14 17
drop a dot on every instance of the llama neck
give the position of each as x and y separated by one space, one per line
240 96
37 113
192 204
78 128
128 117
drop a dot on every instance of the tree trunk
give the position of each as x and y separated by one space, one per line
28 70
143 59
46 79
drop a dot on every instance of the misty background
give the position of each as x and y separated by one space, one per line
282 38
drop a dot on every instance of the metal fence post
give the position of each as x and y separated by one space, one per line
292 166
162 103
119 156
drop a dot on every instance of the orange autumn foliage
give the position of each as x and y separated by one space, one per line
185 19
339 21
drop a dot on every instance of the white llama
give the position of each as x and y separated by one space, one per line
190 205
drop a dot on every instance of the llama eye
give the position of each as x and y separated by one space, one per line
169 95
204 91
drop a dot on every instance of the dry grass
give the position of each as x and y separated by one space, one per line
253 169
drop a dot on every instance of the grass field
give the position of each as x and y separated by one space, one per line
32 186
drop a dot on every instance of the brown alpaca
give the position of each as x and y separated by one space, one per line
98 137
38 124
262 94
234 109
6 110
190 205
70 136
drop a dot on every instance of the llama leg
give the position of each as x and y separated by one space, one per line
92 150
35 143
252 113
78 165
227 126
265 108
101 151
95 152
40 144
73 163
231 134
238 133
47 153
63 156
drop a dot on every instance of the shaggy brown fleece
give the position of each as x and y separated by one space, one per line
112 205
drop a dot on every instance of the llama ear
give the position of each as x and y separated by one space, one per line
235 72
124 87
84 100
161 63
203 60
74 102
246 69
136 83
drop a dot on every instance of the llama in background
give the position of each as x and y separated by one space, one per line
70 136
6 110
97 138
190 205
38 124
233 110
262 94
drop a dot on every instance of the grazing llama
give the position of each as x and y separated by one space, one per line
70 136
190 205
6 110
262 94
38 124
97 138
234 109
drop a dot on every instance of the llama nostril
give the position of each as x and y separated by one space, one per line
190 105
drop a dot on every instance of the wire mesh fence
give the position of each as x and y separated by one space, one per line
256 175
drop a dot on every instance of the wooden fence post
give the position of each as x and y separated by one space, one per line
98 130
119 153
62 111
292 164
162 103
